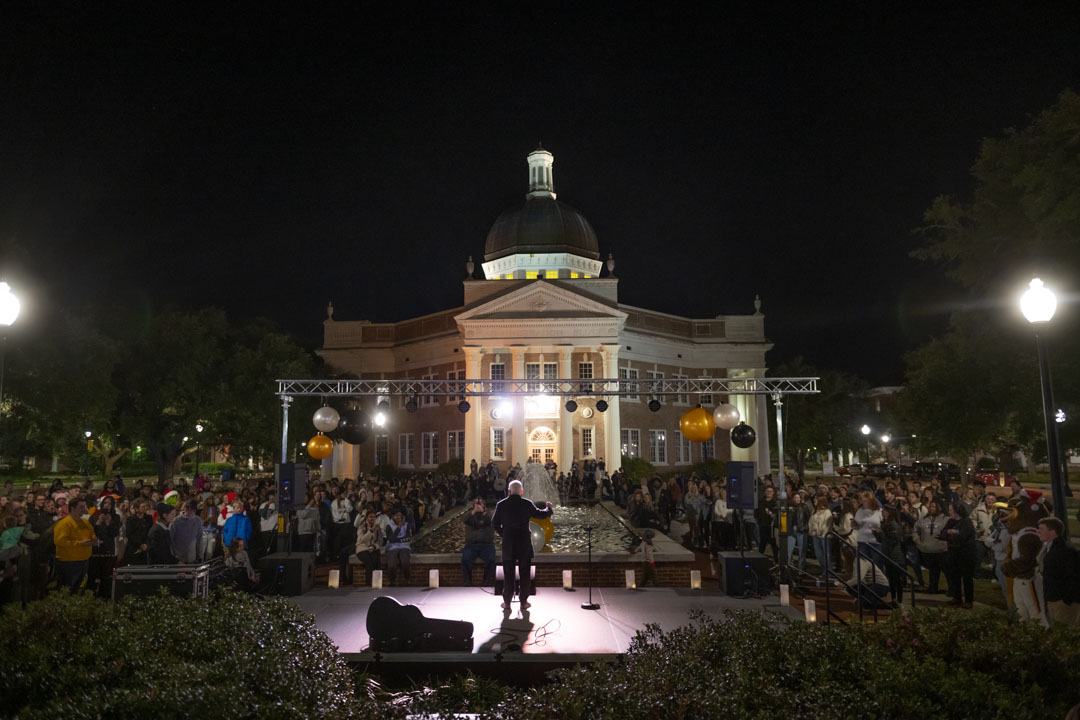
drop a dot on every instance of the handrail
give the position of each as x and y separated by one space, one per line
860 553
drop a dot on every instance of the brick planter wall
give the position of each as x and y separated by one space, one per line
607 574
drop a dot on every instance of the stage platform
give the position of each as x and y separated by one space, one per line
555 631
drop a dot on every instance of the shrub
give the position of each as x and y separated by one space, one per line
637 468
455 466
236 655
711 468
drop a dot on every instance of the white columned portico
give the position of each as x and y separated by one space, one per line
612 421
473 442
566 432
518 421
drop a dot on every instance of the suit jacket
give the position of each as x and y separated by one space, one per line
511 521
159 546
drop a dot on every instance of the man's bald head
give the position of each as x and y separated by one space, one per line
515 487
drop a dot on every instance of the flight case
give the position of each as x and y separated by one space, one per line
145 580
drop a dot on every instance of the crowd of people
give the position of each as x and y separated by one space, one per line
897 528
73 535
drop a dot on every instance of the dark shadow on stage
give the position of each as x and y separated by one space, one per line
510 636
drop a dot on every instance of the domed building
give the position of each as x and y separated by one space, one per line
547 308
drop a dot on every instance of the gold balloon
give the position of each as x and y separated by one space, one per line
697 425
320 446
545 523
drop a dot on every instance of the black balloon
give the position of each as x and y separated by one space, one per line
354 427
742 435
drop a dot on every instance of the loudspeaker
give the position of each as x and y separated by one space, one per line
499 582
744 573
291 479
288 574
741 485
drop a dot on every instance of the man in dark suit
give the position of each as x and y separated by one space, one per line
159 547
511 521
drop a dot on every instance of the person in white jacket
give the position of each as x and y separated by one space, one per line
723 526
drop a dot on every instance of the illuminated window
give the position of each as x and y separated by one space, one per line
574 275
530 274
430 448
498 448
498 372
631 442
658 447
584 372
629 374
405 447
587 277
586 442
552 274
683 448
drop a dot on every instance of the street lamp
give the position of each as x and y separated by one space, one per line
866 434
89 446
1038 304
9 311
198 434
885 446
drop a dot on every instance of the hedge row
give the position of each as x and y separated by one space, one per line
239 656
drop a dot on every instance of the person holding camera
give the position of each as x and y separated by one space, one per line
479 543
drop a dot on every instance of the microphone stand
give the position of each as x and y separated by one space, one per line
590 605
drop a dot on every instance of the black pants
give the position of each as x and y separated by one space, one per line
768 539
961 567
933 563
305 542
522 565
896 582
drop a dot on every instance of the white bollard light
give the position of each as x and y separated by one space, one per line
631 581
695 579
376 579
335 578
785 595
567 579
810 607
433 578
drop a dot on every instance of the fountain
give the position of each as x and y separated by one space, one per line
539 486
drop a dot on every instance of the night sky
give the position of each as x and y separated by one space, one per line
268 158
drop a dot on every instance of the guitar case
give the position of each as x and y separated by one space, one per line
393 627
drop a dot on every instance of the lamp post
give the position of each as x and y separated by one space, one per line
1038 304
885 446
9 311
866 434
89 447
198 437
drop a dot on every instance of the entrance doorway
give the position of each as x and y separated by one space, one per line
542 443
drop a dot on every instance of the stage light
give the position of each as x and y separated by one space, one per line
601 405
411 404
380 419
464 406
506 409
383 406
571 406
654 405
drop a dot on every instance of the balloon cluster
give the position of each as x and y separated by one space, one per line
698 425
353 426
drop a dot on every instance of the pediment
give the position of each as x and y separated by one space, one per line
541 300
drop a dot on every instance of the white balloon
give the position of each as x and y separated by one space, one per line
325 419
536 534
726 416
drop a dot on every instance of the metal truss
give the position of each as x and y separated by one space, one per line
564 388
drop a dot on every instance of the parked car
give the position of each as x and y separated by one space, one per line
992 477
851 470
881 470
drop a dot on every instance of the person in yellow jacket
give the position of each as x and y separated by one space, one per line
74 538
